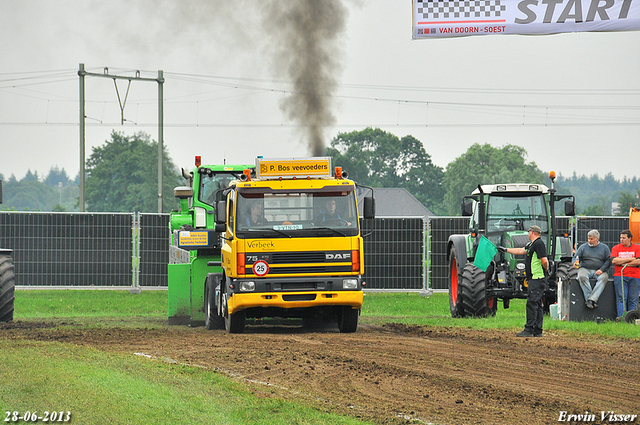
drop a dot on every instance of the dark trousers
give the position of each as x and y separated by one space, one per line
535 311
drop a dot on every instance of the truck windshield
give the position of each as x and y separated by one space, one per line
210 183
506 213
299 213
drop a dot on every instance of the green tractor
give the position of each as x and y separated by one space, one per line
195 245
502 213
7 281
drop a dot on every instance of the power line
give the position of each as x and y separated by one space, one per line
342 125
234 87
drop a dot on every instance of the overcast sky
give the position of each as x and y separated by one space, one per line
571 100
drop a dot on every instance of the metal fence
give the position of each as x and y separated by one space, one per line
86 249
394 254
131 250
439 230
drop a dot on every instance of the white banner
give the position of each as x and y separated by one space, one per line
457 18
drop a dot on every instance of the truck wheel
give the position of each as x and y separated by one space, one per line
472 287
348 319
233 323
211 318
7 288
455 296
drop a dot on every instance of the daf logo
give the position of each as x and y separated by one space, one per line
338 256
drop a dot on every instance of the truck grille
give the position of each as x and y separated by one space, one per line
302 262
299 297
311 269
297 257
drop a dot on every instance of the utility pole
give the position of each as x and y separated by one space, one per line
160 141
160 80
81 74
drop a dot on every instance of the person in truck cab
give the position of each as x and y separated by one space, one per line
255 215
330 214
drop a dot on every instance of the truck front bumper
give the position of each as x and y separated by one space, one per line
242 301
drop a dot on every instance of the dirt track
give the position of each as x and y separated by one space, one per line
397 373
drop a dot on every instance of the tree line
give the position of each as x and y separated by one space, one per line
122 176
380 159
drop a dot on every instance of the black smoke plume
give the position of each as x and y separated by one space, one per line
306 36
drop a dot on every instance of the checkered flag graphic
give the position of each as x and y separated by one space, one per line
439 9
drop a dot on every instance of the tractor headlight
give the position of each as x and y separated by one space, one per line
520 266
247 286
350 284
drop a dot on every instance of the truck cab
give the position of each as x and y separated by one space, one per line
291 247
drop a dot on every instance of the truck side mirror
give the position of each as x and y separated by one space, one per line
570 207
221 212
369 207
467 207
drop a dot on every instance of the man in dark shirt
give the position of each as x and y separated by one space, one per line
536 267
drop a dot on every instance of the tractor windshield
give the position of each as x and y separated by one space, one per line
507 213
266 213
211 182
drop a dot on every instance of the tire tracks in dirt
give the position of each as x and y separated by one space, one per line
397 373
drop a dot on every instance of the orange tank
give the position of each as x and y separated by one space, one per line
634 224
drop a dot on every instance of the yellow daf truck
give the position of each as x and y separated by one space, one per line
291 246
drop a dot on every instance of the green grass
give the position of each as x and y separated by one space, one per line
411 308
46 304
106 388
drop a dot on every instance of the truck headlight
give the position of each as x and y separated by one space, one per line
247 286
350 284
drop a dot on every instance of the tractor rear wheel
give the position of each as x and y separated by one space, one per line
7 288
473 287
455 296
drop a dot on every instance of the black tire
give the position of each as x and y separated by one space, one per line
7 288
233 323
472 288
212 319
492 302
632 316
455 296
348 319
566 271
